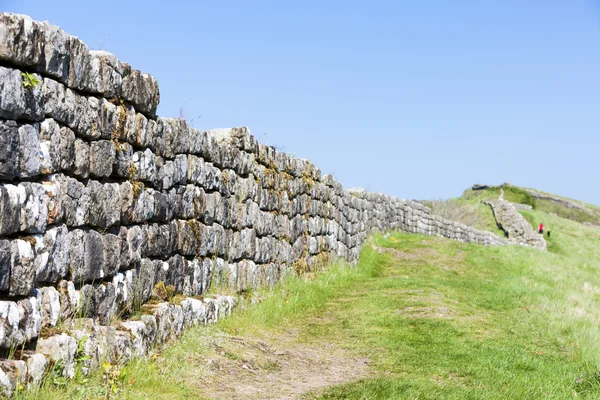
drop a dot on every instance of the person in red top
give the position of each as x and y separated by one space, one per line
541 229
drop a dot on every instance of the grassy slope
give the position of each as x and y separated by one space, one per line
438 319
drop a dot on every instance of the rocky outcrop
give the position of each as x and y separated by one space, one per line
516 227
101 200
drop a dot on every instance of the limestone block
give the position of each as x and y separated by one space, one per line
88 114
49 302
147 277
22 268
10 209
36 369
13 373
52 255
9 149
105 207
102 158
31 318
145 166
57 147
69 299
60 348
194 311
82 159
104 75
105 302
87 258
137 203
141 90
16 100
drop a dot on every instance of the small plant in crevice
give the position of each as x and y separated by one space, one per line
164 292
30 81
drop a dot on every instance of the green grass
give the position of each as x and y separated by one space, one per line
437 319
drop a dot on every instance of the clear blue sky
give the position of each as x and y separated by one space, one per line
419 99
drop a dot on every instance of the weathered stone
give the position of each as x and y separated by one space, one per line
104 75
105 208
104 302
139 345
112 254
102 158
31 318
52 255
36 369
22 268
34 207
141 90
13 374
144 166
87 256
164 205
9 150
29 151
49 301
137 204
5 257
16 100
10 209
10 332
82 159
69 299
57 147
60 349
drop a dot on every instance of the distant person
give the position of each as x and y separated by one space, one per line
541 228
548 233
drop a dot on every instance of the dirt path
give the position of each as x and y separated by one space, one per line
277 368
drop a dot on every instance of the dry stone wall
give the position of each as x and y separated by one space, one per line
101 200
517 228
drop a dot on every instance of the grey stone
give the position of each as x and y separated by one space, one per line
105 302
10 209
18 101
112 252
5 257
34 207
88 111
12 375
11 333
52 255
105 208
49 301
140 345
57 147
141 90
9 150
123 166
36 369
102 158
31 318
30 164
21 42
82 159
104 74
69 299
87 256
22 268
79 63
136 207
59 102
60 349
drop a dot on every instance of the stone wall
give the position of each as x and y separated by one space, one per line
101 200
516 227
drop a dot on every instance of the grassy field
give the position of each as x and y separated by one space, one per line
435 319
